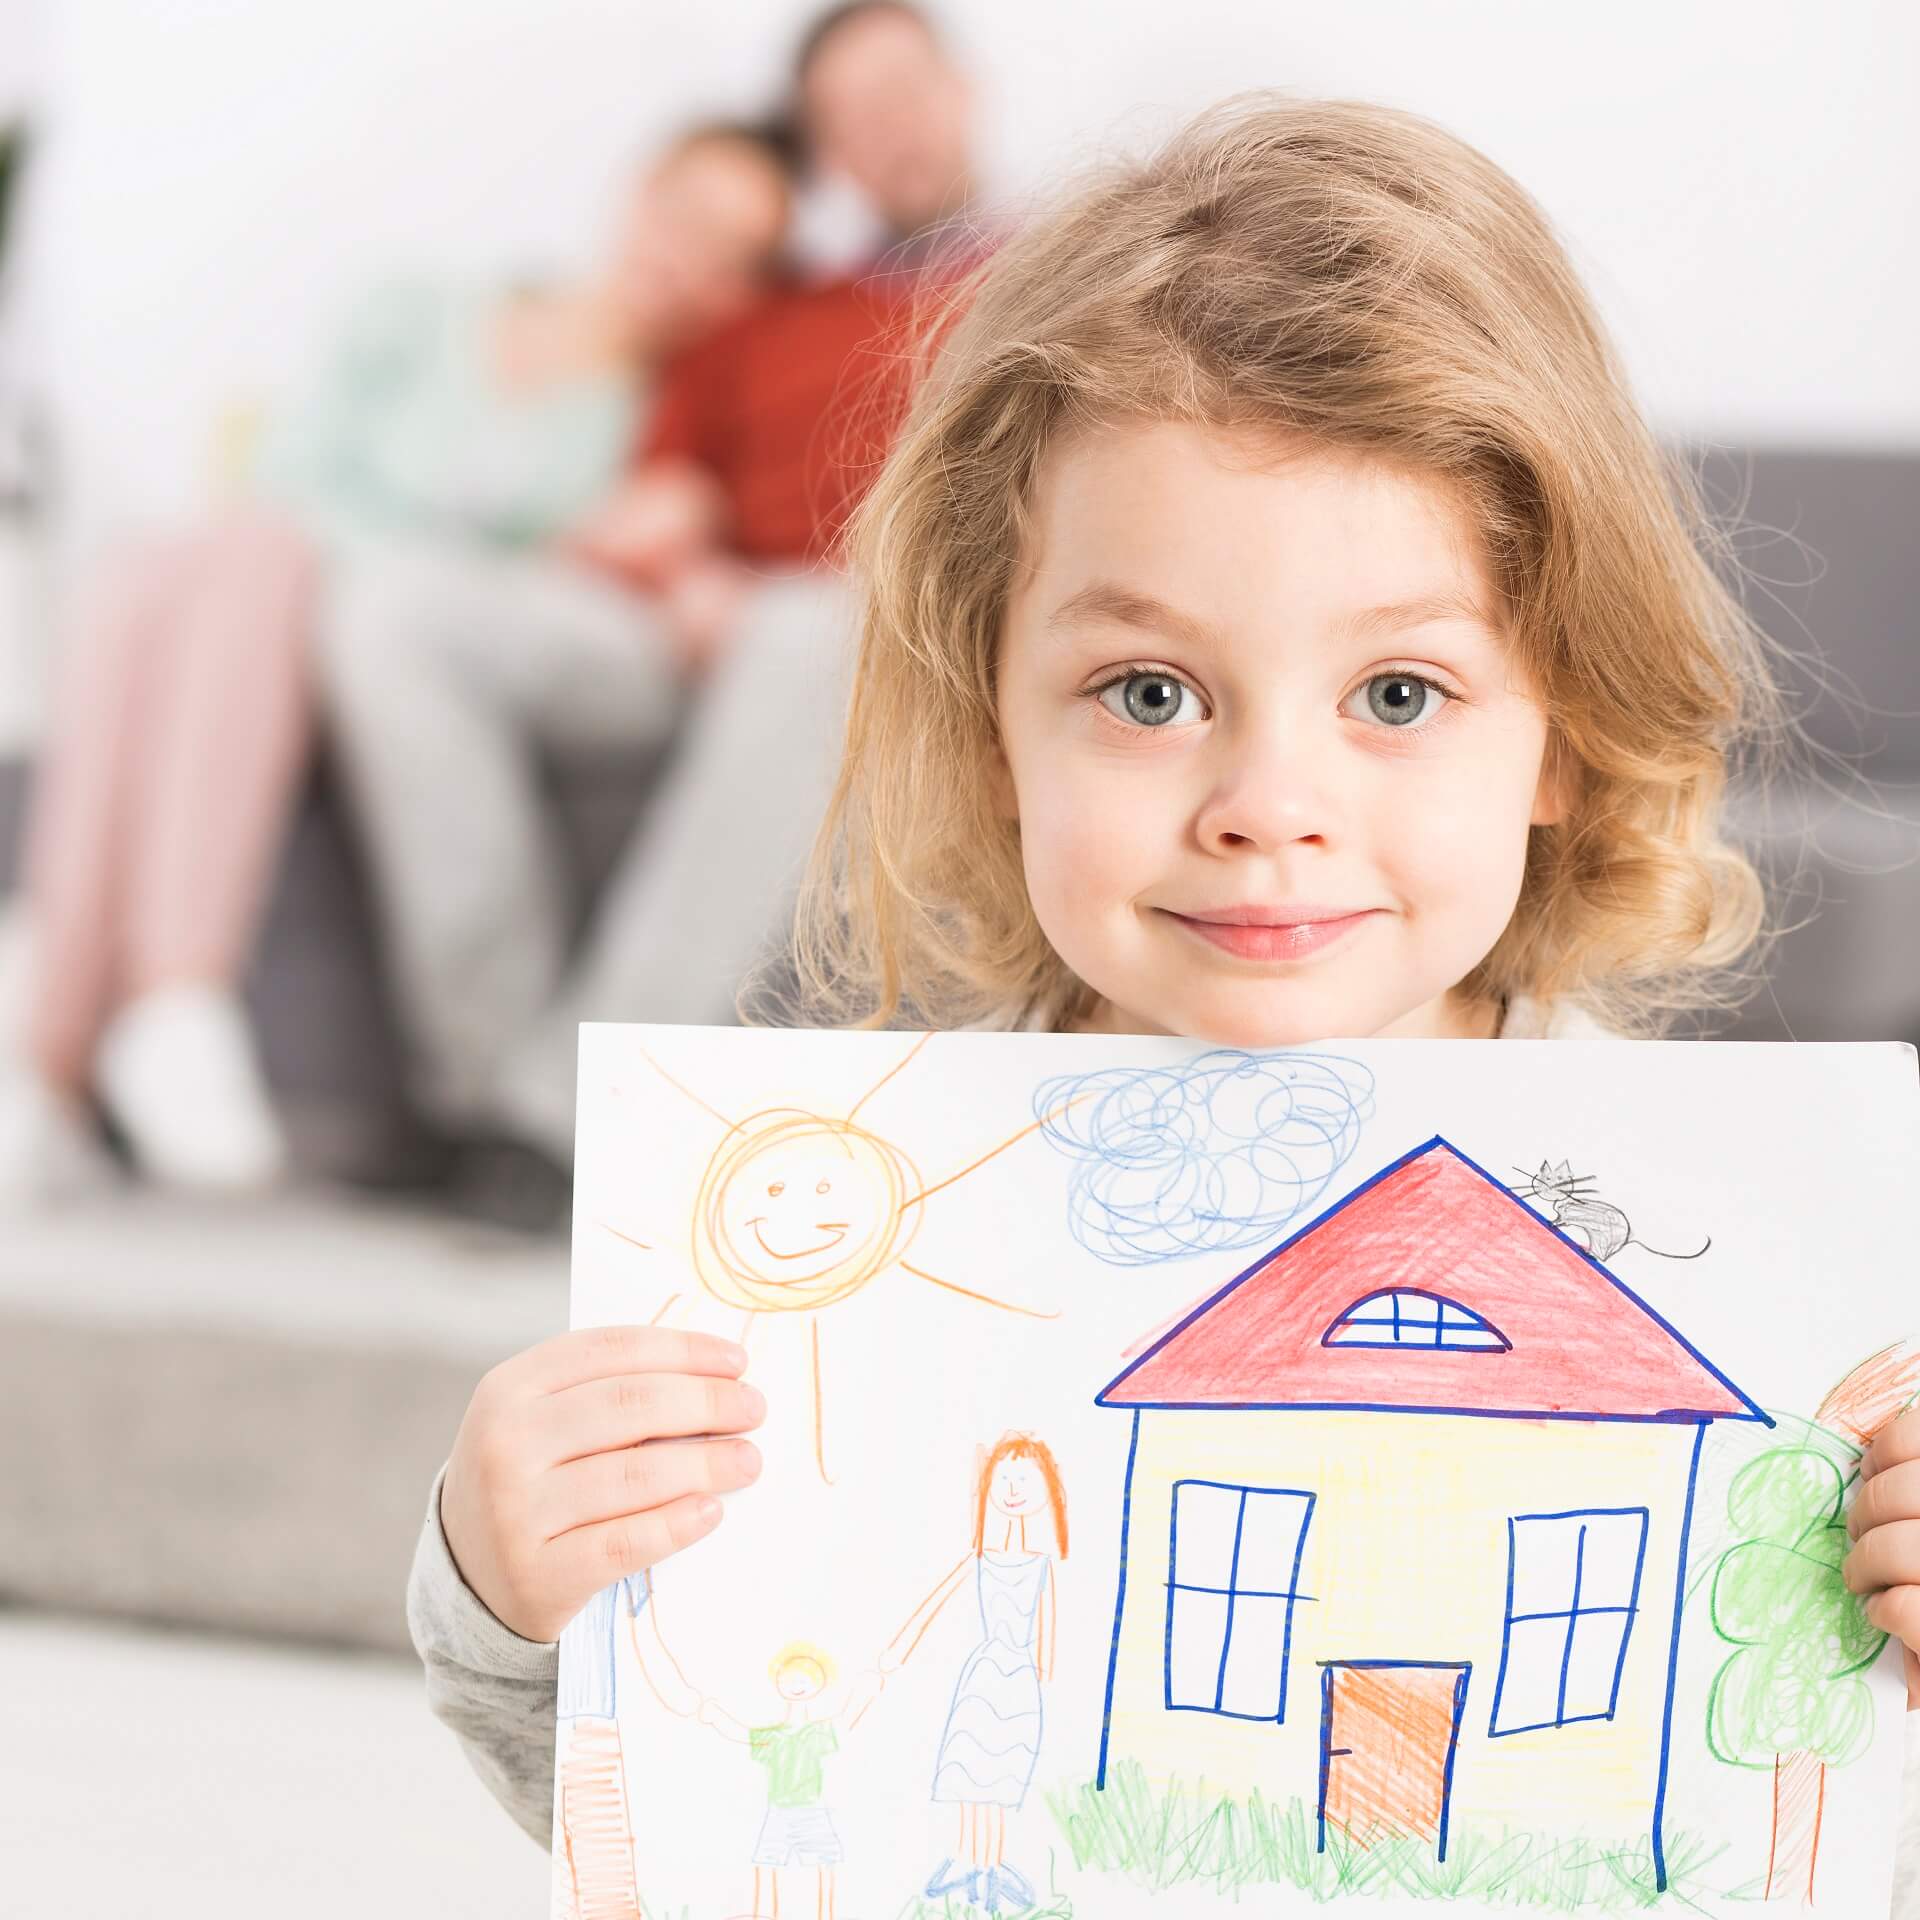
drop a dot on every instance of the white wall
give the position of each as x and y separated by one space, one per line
1740 180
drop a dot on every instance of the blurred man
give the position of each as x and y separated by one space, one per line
884 104
781 409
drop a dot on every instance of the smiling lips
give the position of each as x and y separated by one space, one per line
1272 933
837 1228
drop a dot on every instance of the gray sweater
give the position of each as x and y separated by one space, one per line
495 1690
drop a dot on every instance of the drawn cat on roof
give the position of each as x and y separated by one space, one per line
1568 1200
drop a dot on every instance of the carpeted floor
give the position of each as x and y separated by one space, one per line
165 1775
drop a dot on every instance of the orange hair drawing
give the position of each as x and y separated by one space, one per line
1022 1446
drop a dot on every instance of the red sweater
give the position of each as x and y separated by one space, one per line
791 408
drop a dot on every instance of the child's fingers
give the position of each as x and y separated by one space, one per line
605 1415
607 1486
1893 1494
593 1557
1889 1556
1897 1442
598 1353
1897 1611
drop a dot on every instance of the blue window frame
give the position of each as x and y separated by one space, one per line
1233 1578
1412 1317
1573 1590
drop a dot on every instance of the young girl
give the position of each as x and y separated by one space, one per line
1279 625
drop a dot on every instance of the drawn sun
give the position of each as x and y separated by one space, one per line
799 1210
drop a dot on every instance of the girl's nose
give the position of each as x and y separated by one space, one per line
1267 794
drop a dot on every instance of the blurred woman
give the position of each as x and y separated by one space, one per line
491 419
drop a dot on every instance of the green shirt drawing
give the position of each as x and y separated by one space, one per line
795 1759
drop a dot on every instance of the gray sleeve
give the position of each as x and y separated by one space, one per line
494 1689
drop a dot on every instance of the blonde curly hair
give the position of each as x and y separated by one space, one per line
1357 276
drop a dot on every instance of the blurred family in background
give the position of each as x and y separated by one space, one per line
495 526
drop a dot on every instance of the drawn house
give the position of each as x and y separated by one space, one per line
1450 1594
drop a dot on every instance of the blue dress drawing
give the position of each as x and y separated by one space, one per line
992 1740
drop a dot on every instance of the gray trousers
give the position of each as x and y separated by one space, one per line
446 673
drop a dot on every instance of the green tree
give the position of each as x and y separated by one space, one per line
1790 1698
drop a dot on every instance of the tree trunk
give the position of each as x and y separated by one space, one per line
1799 1799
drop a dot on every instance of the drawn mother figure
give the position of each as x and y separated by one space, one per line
991 1742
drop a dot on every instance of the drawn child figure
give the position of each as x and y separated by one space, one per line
991 1742
1279 623
797 1832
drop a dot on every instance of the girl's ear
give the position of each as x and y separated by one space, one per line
1554 795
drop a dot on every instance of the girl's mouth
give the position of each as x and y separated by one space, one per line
1251 933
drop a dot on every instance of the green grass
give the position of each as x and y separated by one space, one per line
1052 1907
1183 1836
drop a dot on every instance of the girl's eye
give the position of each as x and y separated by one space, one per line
1150 699
1401 699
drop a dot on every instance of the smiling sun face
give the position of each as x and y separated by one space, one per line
798 1210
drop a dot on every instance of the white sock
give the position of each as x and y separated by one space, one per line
48 1152
178 1072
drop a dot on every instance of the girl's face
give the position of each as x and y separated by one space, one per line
1017 1489
1272 764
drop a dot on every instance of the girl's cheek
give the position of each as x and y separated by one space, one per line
1462 837
1084 842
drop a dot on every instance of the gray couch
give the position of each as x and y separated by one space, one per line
332 1047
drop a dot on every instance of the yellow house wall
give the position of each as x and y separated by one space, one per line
1406 1558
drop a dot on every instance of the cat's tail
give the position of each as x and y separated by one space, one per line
1665 1255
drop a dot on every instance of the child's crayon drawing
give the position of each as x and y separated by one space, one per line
1423 1555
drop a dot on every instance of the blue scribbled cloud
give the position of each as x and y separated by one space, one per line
1224 1151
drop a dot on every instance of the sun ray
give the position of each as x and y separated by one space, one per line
819 1411
985 1299
926 1193
680 1087
900 1066
627 1237
672 1298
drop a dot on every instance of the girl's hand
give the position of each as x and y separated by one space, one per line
1885 1524
589 1457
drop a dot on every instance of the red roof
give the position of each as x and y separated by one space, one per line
1580 1344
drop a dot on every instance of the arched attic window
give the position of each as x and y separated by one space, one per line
1411 1317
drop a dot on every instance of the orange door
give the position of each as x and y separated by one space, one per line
1388 1730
